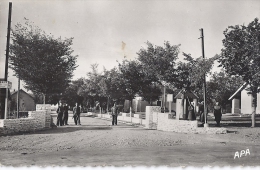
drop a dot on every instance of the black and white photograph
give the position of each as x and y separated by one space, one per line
161 84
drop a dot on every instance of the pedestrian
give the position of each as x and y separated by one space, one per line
191 113
201 112
60 111
217 113
114 114
65 114
76 114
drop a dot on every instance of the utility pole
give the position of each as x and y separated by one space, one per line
7 56
204 81
8 40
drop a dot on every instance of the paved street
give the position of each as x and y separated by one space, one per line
95 142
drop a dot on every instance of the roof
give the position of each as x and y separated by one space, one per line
238 90
21 90
186 94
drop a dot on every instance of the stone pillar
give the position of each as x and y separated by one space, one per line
235 106
47 109
151 123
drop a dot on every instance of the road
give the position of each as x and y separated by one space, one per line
95 143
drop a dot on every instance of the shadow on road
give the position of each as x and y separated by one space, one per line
68 129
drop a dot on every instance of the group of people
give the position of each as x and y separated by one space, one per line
217 111
63 114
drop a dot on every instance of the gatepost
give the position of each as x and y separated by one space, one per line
6 85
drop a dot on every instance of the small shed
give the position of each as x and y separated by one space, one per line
183 99
242 101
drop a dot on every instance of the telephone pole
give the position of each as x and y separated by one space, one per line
7 56
204 81
8 40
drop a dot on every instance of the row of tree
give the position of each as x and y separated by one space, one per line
46 65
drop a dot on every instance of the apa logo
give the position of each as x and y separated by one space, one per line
242 153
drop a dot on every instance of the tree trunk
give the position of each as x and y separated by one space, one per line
254 95
43 98
107 104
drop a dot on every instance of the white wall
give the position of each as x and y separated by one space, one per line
246 102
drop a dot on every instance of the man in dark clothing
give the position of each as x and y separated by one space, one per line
114 114
201 112
217 113
65 114
76 114
60 111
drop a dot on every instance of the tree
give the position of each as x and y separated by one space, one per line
131 79
191 72
72 93
93 88
221 86
150 92
44 63
159 62
241 56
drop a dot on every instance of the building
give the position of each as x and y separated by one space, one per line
242 101
26 102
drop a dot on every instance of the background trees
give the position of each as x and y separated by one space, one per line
44 63
221 86
240 55
72 93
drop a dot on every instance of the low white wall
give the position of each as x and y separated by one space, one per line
37 120
166 124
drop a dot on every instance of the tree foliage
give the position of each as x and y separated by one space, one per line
241 55
241 52
72 92
159 62
191 72
44 63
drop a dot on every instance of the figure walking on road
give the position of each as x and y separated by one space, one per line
65 114
217 113
60 111
114 114
76 114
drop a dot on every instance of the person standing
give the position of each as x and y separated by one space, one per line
60 111
65 114
201 112
191 113
114 114
217 113
76 114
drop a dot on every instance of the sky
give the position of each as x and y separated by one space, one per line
106 31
